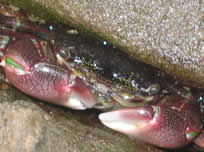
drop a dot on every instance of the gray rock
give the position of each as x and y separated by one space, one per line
21 126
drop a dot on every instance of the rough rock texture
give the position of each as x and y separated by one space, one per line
166 34
27 127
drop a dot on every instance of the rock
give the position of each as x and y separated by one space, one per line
166 34
21 127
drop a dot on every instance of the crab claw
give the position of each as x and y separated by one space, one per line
41 78
157 125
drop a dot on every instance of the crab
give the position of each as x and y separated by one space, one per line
71 69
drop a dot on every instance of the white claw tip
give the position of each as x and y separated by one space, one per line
119 121
115 122
3 63
76 104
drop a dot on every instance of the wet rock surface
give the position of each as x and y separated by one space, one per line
166 34
30 127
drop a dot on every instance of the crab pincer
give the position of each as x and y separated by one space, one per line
161 125
41 78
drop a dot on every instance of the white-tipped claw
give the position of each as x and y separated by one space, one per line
76 104
115 122
3 63
127 121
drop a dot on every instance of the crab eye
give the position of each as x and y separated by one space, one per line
154 89
64 54
12 63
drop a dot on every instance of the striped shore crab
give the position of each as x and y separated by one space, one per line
80 72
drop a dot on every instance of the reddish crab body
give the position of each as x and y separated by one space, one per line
80 72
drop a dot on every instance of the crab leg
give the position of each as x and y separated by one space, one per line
160 125
21 23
